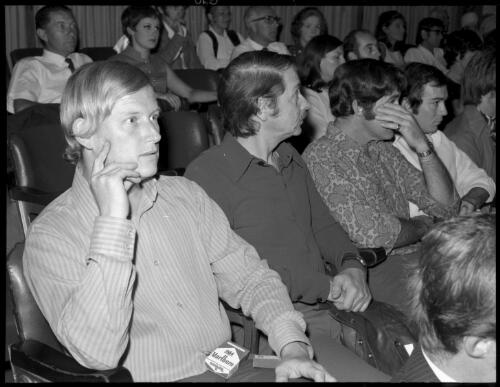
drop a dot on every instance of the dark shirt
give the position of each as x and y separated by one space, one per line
280 213
155 67
416 369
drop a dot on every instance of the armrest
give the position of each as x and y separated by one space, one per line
373 256
32 195
34 361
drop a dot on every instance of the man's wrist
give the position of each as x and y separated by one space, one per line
297 349
425 150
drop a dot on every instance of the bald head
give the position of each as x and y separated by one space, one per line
469 20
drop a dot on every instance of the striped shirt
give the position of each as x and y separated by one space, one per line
144 292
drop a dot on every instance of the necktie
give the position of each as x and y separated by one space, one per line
70 64
265 49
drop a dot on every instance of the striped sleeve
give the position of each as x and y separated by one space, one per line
85 295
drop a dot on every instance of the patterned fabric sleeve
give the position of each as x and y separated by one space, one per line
340 187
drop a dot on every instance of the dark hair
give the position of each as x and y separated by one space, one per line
364 81
458 43
479 76
132 15
426 24
351 42
298 21
384 20
417 76
309 62
453 284
42 17
252 75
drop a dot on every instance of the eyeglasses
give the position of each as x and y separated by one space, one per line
268 19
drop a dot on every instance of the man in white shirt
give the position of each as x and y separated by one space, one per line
262 25
453 305
425 96
215 45
41 79
429 35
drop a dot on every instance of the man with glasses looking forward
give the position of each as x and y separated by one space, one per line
262 27
430 32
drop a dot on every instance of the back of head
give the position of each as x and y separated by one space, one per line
459 42
298 21
479 76
427 24
385 19
351 42
252 75
309 62
417 76
363 80
453 284
43 15
91 93
132 15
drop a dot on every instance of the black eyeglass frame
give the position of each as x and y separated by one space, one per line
269 19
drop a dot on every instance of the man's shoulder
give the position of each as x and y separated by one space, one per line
416 369
213 161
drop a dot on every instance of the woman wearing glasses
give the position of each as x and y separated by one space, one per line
429 35
262 25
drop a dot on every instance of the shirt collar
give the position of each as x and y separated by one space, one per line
216 33
241 159
53 57
256 45
441 375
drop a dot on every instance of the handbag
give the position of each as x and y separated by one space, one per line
377 335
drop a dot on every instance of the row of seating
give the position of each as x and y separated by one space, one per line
95 53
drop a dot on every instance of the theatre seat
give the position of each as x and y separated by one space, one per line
38 356
20 53
98 53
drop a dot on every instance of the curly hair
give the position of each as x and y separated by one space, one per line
298 21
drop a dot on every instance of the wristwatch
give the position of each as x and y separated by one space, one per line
428 152
350 256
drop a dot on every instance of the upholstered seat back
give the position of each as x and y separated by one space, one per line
30 322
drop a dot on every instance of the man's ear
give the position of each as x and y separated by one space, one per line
263 108
351 56
406 104
358 110
42 34
424 35
81 127
478 347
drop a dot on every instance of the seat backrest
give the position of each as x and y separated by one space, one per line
30 322
203 79
98 53
36 143
20 53
184 137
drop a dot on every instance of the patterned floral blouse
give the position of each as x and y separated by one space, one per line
367 188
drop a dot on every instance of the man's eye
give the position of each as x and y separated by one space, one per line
131 120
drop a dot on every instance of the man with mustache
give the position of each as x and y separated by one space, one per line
425 97
41 79
263 186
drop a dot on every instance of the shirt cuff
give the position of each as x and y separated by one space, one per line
112 238
287 328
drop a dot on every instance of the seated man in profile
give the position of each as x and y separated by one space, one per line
359 44
453 304
128 269
261 24
41 79
425 97
367 183
264 188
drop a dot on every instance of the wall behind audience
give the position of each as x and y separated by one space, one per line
100 25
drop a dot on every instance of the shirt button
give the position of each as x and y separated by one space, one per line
156 262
